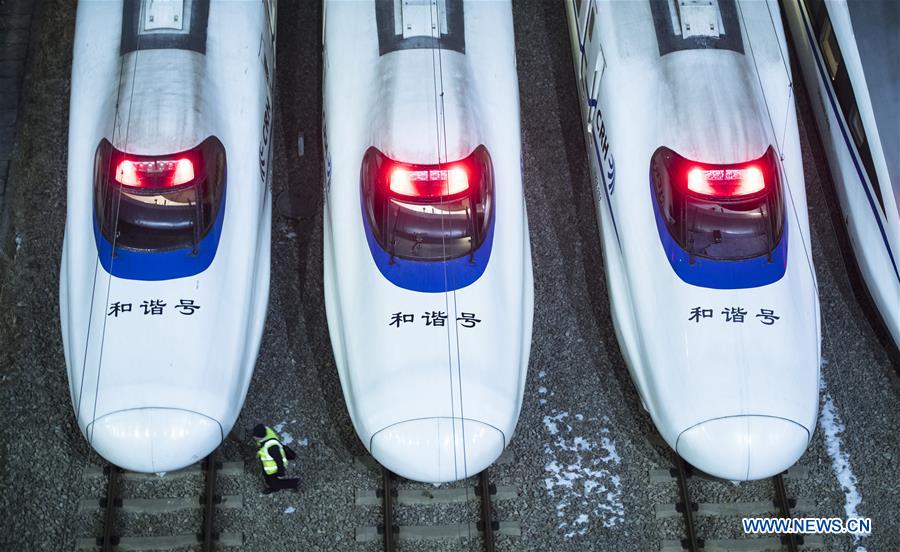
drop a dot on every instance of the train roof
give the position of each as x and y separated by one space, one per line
721 74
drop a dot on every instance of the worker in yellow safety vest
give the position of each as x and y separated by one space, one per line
274 456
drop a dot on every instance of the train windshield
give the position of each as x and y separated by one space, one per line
720 211
158 203
428 212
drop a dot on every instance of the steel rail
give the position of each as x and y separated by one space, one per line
485 490
109 540
783 503
691 542
209 500
388 494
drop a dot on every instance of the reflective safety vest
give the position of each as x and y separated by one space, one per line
268 463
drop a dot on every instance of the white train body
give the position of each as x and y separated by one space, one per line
692 137
428 277
848 54
165 268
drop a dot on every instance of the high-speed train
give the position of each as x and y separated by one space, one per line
427 262
165 266
848 54
696 171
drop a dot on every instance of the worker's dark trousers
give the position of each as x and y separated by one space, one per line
276 483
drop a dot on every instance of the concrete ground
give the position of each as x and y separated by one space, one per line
15 38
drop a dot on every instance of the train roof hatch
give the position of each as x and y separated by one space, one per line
699 18
168 14
414 17
697 25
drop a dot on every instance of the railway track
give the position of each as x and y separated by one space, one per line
118 509
699 532
395 493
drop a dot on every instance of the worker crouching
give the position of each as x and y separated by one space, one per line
274 456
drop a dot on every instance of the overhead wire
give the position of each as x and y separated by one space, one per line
437 54
455 306
440 123
787 184
787 72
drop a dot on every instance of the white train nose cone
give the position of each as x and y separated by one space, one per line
154 439
743 448
437 450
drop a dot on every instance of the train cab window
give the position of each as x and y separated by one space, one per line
856 128
843 90
830 49
720 212
854 121
816 10
428 212
588 40
590 27
158 203
271 13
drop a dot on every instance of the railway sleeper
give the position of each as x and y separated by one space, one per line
159 505
457 495
731 508
223 468
438 532
161 542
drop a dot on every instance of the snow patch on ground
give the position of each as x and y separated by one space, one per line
542 390
287 438
18 243
832 427
580 458
290 510
550 422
